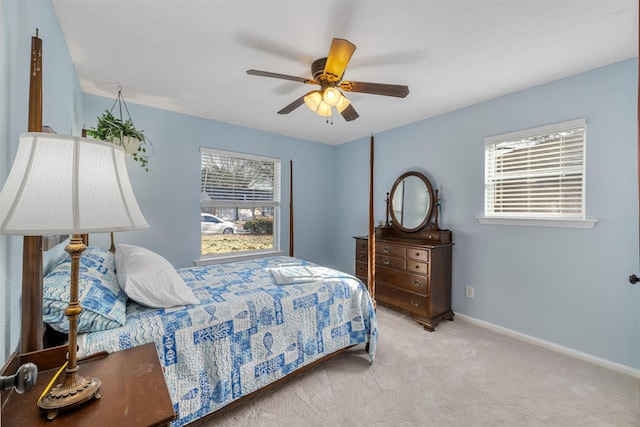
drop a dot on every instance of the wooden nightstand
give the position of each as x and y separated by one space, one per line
134 392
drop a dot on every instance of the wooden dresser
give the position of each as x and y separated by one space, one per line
412 275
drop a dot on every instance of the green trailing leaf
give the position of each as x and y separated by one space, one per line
114 130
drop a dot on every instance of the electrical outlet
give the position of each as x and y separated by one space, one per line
468 292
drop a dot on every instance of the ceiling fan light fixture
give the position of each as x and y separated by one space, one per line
331 96
324 109
342 103
313 100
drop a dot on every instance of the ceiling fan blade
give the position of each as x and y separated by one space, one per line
399 91
295 104
281 76
350 113
339 55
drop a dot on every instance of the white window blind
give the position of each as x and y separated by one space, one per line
536 173
238 180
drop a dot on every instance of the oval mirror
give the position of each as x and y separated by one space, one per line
411 201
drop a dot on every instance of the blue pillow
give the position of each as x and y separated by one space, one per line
102 300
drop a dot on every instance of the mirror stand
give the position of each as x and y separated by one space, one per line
414 208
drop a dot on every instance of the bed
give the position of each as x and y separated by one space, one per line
244 333
240 334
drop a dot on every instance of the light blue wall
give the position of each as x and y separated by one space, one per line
566 286
62 106
169 194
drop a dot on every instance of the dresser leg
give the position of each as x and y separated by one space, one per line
427 324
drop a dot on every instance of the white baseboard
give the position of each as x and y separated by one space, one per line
554 347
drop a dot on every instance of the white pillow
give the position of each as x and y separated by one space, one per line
149 279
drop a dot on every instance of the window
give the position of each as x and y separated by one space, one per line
537 173
239 204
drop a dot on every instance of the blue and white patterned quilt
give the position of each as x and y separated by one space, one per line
246 333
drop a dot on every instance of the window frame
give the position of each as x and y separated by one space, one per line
276 204
530 219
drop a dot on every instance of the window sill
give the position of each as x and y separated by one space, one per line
540 222
221 259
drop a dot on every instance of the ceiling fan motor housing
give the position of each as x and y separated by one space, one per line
317 71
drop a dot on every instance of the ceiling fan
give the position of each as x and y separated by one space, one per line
327 73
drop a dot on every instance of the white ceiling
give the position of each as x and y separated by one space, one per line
191 56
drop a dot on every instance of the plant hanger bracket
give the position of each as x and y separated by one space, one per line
120 102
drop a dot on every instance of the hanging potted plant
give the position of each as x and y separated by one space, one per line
122 132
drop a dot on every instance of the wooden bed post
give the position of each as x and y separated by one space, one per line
290 207
371 252
32 331
638 138
633 278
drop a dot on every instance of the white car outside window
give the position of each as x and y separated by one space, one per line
211 224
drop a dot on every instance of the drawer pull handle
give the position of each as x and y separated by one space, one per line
387 249
417 267
417 283
416 303
361 269
386 261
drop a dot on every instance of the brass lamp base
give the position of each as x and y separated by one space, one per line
74 391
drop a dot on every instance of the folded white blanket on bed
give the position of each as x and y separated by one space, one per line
291 274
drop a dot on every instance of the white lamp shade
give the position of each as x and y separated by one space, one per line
68 185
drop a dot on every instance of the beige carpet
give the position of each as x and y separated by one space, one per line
460 375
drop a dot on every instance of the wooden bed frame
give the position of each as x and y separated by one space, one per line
34 336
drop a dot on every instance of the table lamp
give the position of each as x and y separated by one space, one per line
68 185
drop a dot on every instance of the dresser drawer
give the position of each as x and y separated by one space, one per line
361 269
389 261
417 267
437 236
402 299
362 245
362 256
391 250
410 282
415 283
418 254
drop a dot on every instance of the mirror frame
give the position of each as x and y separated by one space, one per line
427 217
